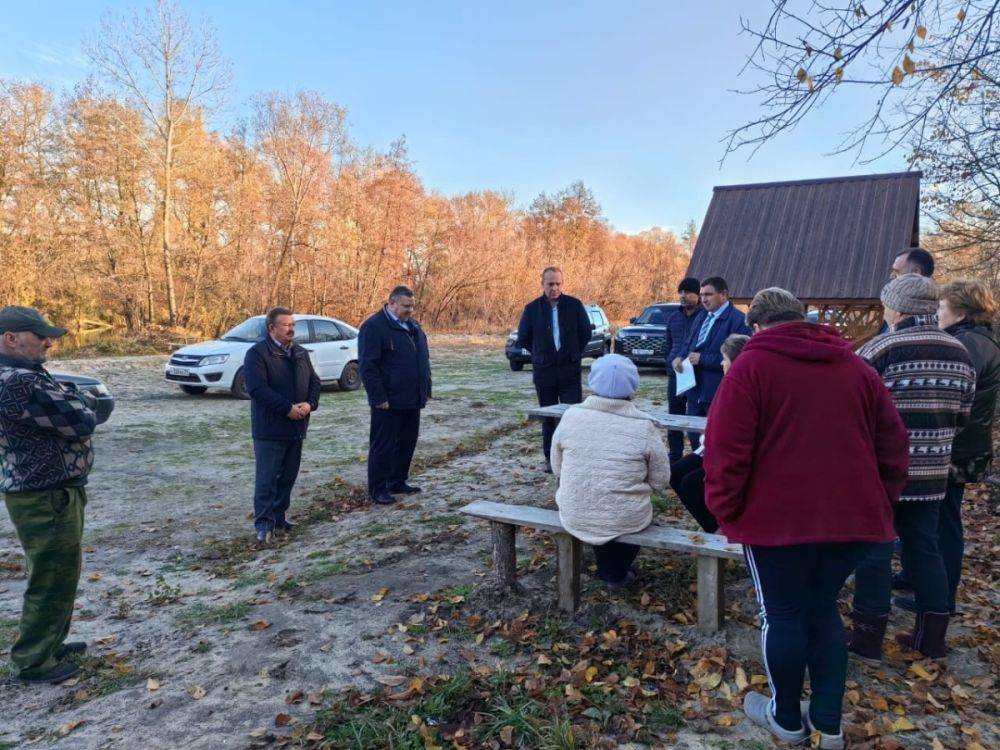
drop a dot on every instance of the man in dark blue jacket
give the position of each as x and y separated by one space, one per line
713 325
396 370
556 329
284 391
679 324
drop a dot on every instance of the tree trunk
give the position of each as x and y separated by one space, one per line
168 195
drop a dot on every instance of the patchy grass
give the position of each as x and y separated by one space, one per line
448 519
103 675
201 615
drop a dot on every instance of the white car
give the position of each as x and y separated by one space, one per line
331 343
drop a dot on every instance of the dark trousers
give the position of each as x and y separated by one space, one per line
565 389
797 589
614 560
687 478
391 442
677 405
695 409
951 537
277 469
917 526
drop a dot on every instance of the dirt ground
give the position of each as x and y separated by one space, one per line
200 639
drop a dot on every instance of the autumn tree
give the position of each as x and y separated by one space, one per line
169 71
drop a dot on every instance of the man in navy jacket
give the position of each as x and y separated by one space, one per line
284 391
556 329
396 370
679 324
713 325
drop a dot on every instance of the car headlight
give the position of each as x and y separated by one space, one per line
100 390
512 337
215 359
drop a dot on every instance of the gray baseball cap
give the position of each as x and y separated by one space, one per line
15 318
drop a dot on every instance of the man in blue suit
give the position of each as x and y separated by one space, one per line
714 324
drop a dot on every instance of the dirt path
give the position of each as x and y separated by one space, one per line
201 641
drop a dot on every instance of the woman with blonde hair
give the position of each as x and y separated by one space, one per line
966 310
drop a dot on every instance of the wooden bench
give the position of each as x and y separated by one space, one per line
711 549
660 418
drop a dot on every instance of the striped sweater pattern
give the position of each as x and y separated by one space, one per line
932 381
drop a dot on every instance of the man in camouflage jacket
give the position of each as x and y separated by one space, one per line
45 457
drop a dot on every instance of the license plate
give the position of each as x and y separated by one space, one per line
178 371
643 352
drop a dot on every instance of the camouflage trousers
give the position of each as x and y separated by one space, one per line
49 524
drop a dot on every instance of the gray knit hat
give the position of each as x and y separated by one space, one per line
614 376
911 294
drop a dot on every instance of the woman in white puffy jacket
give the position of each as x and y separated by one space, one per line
609 458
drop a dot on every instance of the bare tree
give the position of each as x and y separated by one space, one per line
165 69
913 56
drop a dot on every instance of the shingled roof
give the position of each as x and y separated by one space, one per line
828 239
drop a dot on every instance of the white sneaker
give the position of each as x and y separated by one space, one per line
757 707
826 741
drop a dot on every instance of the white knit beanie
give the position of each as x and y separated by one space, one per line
614 376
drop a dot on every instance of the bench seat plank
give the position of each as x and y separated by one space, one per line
661 418
655 537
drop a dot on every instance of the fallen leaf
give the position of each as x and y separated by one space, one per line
741 679
282 720
295 696
152 684
902 724
70 726
314 737
726 720
390 680
260 625
258 732
590 674
709 681
507 734
315 698
197 692
380 595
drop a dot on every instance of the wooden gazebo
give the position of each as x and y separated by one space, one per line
830 241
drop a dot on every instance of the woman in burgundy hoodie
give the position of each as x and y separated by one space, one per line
805 457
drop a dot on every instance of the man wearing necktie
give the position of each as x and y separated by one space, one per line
556 329
716 322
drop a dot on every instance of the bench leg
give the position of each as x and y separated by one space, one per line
504 555
569 572
711 594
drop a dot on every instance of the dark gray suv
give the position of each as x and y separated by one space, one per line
645 340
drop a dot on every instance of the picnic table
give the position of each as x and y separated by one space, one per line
661 418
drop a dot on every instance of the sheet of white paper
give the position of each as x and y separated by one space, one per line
685 378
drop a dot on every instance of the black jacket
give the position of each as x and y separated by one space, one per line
395 362
975 440
275 381
534 333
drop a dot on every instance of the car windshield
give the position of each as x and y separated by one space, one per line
652 316
249 330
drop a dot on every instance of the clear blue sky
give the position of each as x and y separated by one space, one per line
630 97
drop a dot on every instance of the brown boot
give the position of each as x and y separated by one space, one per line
928 635
865 638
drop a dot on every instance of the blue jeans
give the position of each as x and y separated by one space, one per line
797 589
277 469
917 525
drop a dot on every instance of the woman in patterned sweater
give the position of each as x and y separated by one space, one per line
932 381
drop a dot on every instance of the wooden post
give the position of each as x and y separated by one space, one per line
711 594
569 572
504 555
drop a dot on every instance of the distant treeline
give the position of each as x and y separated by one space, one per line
284 209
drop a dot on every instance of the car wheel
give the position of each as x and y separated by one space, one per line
350 378
607 347
239 387
516 366
194 390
